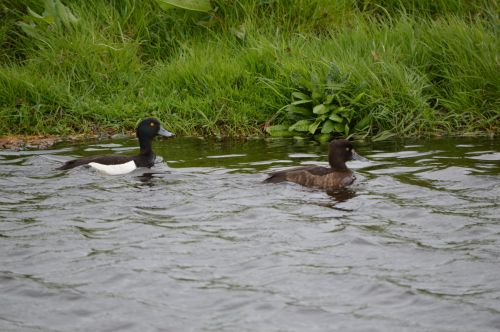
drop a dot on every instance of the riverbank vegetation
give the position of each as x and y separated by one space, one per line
289 67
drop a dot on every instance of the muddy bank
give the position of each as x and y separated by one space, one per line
23 142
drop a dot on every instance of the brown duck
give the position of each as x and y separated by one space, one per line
336 176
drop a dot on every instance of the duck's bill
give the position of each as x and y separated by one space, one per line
166 133
356 156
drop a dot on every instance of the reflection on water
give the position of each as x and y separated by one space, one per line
341 195
200 244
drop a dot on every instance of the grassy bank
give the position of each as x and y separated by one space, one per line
430 68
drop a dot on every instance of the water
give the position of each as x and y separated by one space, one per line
202 245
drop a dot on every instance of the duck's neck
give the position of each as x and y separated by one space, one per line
146 146
337 164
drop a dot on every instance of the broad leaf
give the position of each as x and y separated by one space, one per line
35 15
339 109
313 127
301 125
301 96
317 95
300 102
323 137
320 109
64 14
50 8
328 127
329 99
197 5
296 112
279 131
338 128
335 117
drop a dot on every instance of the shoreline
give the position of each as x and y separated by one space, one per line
41 142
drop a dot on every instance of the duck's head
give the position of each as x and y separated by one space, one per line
341 151
151 127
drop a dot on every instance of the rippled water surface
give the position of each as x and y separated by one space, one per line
197 243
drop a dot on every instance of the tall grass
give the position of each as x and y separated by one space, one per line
427 67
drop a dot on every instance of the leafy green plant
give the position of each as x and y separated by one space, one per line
323 109
55 14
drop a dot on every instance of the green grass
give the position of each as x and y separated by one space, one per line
427 67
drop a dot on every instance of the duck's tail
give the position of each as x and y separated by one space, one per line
276 178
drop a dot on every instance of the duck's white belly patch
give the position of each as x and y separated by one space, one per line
114 169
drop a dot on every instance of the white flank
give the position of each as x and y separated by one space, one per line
114 169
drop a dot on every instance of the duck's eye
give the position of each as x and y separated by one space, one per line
151 124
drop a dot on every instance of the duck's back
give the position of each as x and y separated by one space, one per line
104 160
317 177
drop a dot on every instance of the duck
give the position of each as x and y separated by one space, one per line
335 177
146 131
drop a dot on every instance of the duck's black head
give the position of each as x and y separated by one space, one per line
147 130
341 151
151 127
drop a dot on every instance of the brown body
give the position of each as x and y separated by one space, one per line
338 176
316 177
